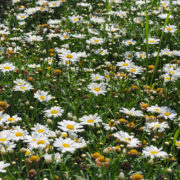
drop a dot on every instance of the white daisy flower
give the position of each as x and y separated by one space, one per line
125 64
154 152
40 142
132 112
75 19
97 77
42 96
70 126
7 67
95 40
152 41
90 119
5 137
12 119
2 166
170 28
65 145
156 126
23 88
154 109
3 118
128 42
125 137
43 130
55 111
22 16
97 89
168 113
19 133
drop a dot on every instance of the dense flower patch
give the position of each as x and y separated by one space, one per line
90 89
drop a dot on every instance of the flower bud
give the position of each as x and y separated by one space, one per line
121 175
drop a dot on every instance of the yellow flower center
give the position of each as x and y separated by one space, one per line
171 72
27 153
97 89
154 152
142 55
34 158
177 143
90 121
19 134
168 78
111 124
42 97
107 76
96 40
22 17
125 64
40 130
65 37
166 113
69 56
67 62
133 70
6 67
66 145
64 135
76 140
157 125
157 109
23 87
96 78
76 19
2 139
54 111
129 42
70 126
152 41
41 8
127 139
41 142
11 119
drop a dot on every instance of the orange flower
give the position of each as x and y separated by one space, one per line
95 155
102 161
136 177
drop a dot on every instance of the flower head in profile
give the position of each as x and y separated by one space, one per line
131 112
95 40
70 126
65 145
90 119
23 88
125 137
170 29
168 113
154 152
55 111
3 165
152 41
